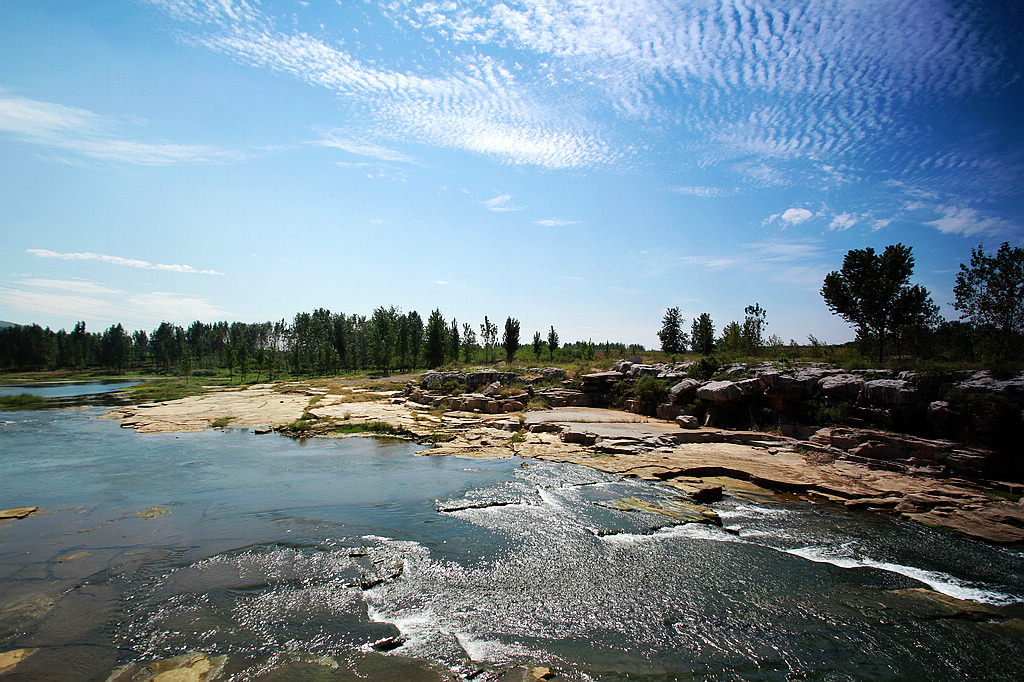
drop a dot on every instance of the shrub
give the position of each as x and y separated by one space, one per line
704 368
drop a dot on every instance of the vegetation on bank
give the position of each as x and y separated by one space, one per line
897 325
21 400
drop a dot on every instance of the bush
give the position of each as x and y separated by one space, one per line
651 391
704 369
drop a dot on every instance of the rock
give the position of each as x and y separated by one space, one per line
684 388
637 371
934 605
16 513
189 667
600 381
512 406
578 437
889 393
720 392
687 421
841 387
9 660
668 411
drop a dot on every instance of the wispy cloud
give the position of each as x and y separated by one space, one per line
118 260
701 191
338 140
86 133
556 223
970 222
843 221
501 204
82 300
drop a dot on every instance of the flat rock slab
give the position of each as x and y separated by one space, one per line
250 407
17 513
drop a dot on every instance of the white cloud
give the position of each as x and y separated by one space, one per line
180 308
501 204
73 285
556 223
793 216
700 191
336 140
970 222
117 260
89 134
843 221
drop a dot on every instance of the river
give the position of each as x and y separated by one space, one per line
313 559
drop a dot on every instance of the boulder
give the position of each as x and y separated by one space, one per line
687 421
889 393
720 392
845 387
637 371
668 411
683 389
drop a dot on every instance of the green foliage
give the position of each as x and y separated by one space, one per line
753 327
552 341
990 293
22 400
510 341
704 368
377 427
221 422
538 345
651 391
436 333
702 334
873 293
673 338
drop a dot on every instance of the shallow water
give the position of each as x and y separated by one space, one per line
266 549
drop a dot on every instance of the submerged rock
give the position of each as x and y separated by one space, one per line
9 660
189 667
17 513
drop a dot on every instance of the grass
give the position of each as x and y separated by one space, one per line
221 422
379 428
170 388
22 400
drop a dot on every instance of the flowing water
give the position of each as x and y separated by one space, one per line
277 552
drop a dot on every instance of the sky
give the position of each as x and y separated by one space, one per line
582 164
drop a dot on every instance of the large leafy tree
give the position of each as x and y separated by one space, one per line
990 292
873 292
673 338
753 327
552 341
510 341
702 334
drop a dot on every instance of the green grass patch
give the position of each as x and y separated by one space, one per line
22 400
161 390
221 422
378 428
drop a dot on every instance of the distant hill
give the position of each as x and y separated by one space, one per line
4 325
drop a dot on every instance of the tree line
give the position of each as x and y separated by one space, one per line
872 291
312 343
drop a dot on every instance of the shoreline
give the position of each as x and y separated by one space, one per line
703 464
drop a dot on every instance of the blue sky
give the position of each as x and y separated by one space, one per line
578 163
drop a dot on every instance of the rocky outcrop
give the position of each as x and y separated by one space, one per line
901 452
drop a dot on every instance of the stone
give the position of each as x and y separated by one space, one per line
578 437
684 388
668 411
637 371
936 605
841 387
889 393
687 421
720 392
16 513
9 660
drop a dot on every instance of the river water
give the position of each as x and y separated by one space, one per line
278 553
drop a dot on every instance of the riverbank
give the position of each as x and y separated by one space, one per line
702 463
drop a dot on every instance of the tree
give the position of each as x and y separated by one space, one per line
436 333
873 292
753 327
538 344
468 341
990 293
702 334
510 341
453 341
489 336
673 338
552 341
732 337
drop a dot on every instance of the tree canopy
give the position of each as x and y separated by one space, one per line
990 293
873 292
673 338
